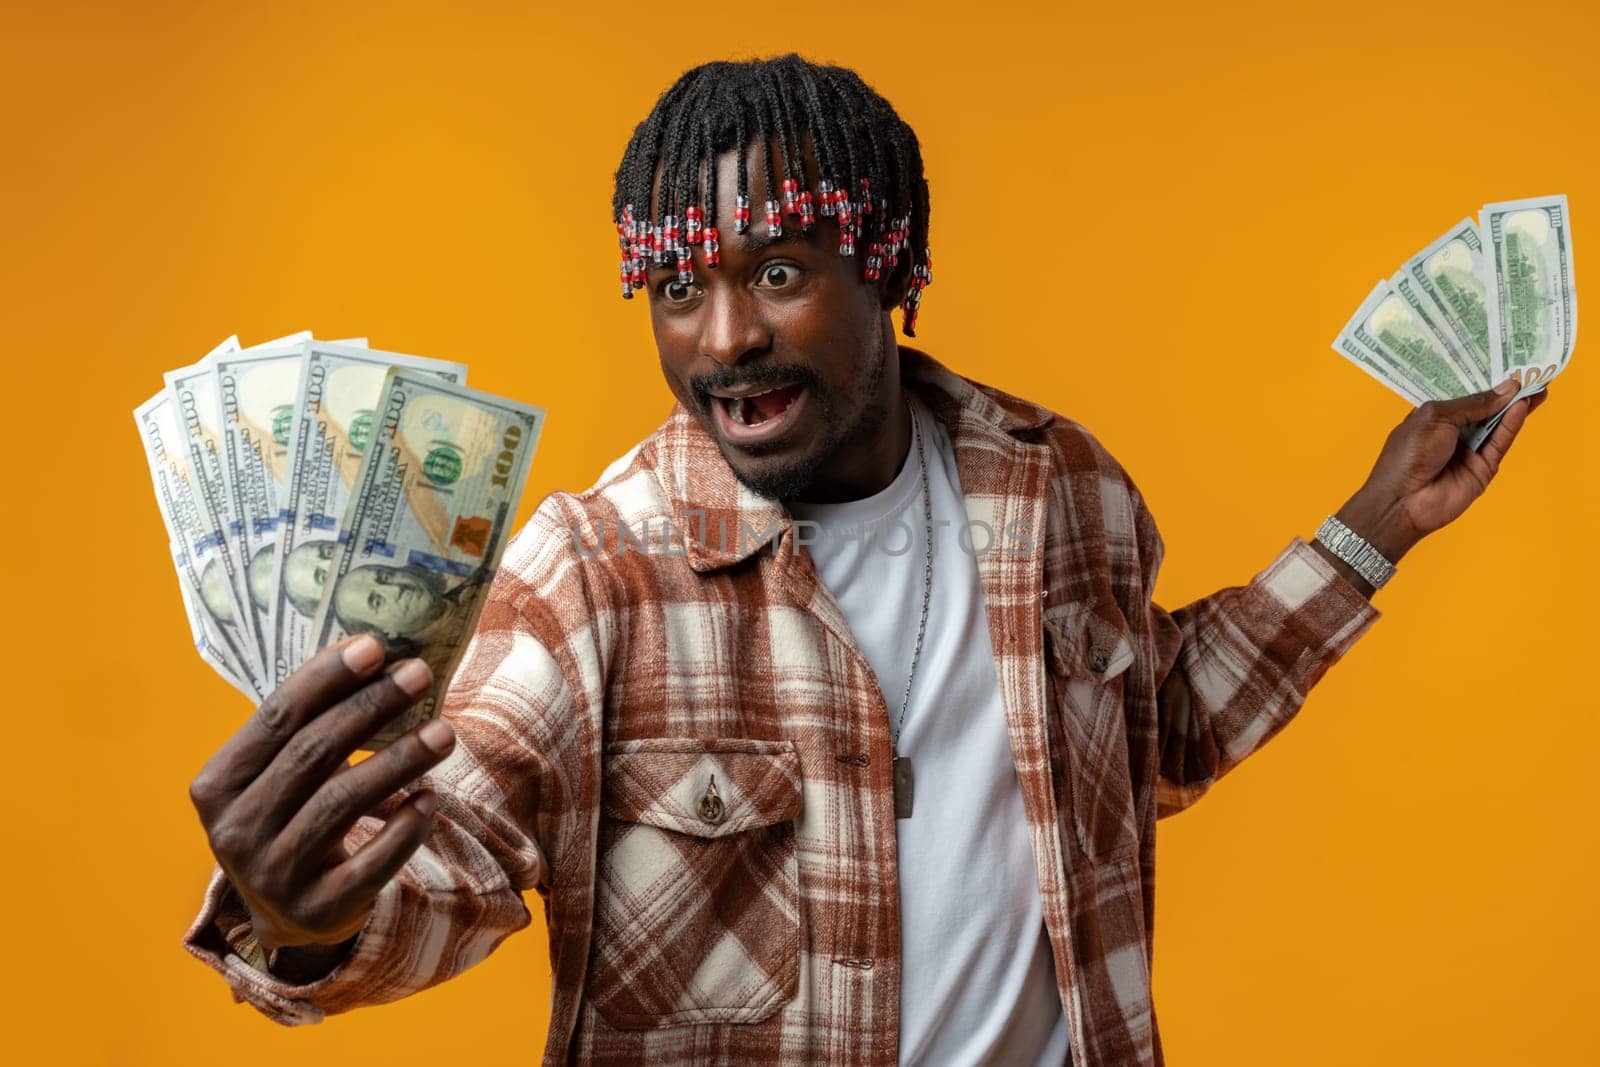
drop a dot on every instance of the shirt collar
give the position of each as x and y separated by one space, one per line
724 521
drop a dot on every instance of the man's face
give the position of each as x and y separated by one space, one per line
258 576
214 592
389 599
305 572
794 315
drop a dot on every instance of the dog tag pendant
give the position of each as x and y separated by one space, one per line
904 782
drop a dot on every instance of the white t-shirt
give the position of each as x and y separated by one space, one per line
978 983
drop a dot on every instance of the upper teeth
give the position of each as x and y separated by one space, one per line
738 406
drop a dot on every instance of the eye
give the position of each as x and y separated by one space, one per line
374 602
778 275
675 292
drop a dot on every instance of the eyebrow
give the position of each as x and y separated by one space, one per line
754 243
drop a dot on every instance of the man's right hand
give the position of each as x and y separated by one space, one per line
278 798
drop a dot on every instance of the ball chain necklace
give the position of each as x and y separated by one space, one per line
904 780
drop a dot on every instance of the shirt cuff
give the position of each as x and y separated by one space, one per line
221 937
1320 606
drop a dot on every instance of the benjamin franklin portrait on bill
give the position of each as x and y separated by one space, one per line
402 606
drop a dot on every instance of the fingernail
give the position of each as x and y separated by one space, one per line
413 676
362 654
426 803
437 735
1507 386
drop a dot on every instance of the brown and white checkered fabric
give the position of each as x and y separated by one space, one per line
686 754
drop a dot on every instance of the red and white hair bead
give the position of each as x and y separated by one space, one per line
639 243
825 190
874 267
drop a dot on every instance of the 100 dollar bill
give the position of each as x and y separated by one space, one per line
1453 273
336 414
194 397
196 551
427 522
257 391
1387 327
1533 305
1533 320
1378 368
1426 312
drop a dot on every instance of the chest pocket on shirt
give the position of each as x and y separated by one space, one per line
697 900
1088 649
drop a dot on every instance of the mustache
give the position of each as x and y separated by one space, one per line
766 376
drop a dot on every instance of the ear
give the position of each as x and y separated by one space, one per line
893 287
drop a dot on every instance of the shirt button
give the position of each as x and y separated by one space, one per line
710 808
1098 660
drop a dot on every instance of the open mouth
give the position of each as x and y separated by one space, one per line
760 417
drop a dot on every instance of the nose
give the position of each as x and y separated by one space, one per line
732 327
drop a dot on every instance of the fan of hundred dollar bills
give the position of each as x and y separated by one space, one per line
315 489
1487 301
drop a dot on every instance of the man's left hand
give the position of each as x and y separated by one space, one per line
1426 476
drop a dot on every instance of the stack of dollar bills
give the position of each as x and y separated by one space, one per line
314 489
1487 301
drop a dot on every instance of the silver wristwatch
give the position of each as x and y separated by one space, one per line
1356 551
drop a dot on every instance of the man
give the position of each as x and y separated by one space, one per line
792 793
404 607
258 576
305 572
214 593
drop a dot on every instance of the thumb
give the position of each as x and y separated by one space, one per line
1470 408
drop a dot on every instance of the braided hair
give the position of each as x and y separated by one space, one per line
868 161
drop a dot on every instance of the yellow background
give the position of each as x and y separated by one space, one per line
1151 218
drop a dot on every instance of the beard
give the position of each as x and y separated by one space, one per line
791 481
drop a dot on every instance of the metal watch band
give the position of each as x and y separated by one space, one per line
1356 551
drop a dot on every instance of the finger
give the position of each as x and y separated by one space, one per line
1465 409
381 858
326 678
315 754
1499 443
328 815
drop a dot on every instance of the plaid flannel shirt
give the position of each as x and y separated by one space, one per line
682 749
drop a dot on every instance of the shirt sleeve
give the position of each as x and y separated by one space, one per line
505 813
1233 668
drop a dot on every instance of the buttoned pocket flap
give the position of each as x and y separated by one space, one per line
704 787
1088 639
1089 650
